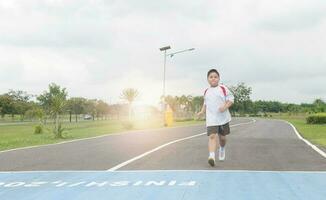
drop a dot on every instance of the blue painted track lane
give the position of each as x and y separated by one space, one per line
226 185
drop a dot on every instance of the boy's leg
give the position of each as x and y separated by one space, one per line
221 151
212 144
223 131
222 140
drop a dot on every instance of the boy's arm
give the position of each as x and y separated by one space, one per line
229 101
226 106
203 109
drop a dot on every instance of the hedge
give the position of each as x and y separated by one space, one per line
319 118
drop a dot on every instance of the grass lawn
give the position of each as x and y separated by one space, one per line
21 135
315 133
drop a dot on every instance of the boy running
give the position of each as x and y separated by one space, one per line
217 101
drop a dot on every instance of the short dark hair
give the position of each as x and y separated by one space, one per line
212 71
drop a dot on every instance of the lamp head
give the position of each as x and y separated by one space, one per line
165 48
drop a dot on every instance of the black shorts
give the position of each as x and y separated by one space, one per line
221 130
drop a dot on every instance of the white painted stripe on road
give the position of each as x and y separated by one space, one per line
209 170
314 147
164 145
95 137
151 151
158 170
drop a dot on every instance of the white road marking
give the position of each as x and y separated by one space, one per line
158 170
164 145
314 147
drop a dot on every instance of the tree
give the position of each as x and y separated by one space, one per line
6 105
54 101
35 112
241 95
173 102
253 108
14 102
76 106
293 108
185 102
102 108
197 103
117 110
130 96
90 107
319 105
20 102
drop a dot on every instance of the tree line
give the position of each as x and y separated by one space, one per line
54 102
244 105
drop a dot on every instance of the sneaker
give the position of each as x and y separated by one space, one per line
221 154
211 161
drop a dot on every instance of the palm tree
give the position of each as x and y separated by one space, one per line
54 101
130 96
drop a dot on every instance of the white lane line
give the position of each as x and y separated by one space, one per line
159 170
164 145
314 147
95 137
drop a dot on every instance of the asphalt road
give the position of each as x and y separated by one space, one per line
266 145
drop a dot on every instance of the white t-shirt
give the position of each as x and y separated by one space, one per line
214 98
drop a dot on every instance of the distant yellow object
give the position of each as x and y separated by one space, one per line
168 116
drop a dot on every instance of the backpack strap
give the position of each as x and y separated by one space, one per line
223 90
205 91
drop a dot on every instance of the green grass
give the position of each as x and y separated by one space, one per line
21 135
315 133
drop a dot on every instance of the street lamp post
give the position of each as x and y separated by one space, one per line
164 69
164 49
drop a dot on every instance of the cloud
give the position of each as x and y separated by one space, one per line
294 16
97 48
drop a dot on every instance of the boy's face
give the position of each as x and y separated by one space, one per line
213 79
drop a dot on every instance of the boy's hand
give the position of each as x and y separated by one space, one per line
199 114
223 108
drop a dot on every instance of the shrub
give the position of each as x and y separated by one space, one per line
60 131
35 113
127 125
38 129
319 118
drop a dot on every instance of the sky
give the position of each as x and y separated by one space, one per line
97 48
